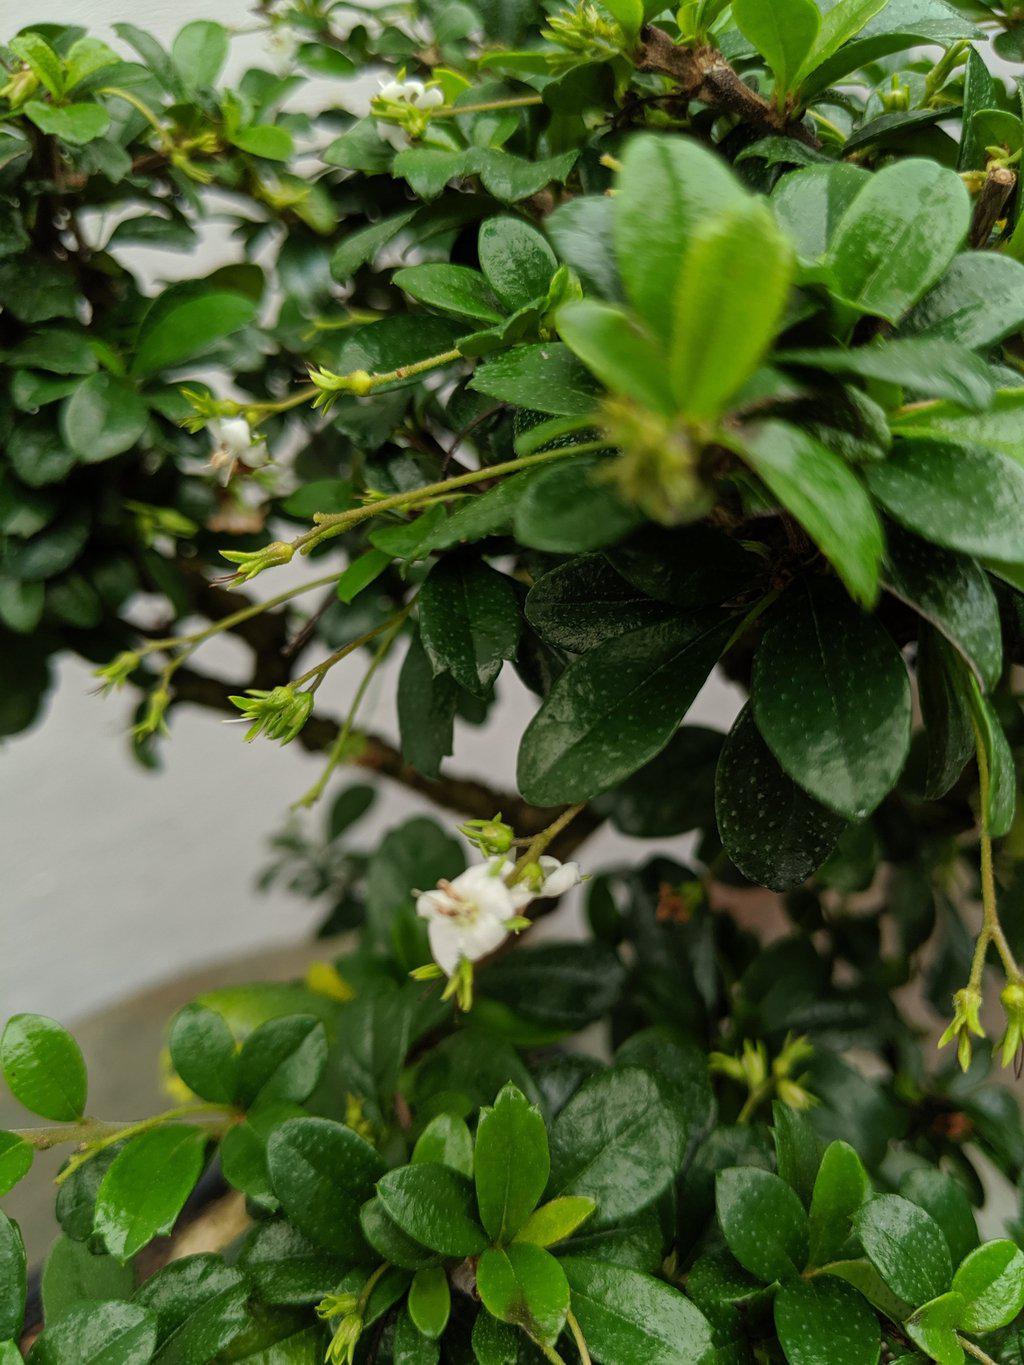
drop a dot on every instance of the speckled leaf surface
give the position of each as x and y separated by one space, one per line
585 601
826 1322
201 1307
545 377
110 1333
628 1316
906 1247
511 1163
616 707
772 830
147 1185
953 593
832 699
840 1188
469 621
435 1206
323 1172
763 1221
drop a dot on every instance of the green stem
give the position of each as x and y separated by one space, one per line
98 1134
337 752
331 383
138 105
541 841
548 1352
485 106
320 670
991 928
336 523
578 1338
753 1102
236 618
975 1351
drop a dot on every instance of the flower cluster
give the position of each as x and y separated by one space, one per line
279 713
402 109
235 442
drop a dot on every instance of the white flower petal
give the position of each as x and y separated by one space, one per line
559 877
482 938
431 904
431 99
445 944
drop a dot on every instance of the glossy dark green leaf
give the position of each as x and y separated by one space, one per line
798 1150
323 1173
181 325
963 497
283 1059
946 712
1001 771
204 1053
243 1151
931 367
666 188
544 376
977 302
620 1141
953 594
387 1239
72 1275
109 1333
285 1267
673 793
200 1306
557 986
430 1301
469 621
571 508
616 707
426 711
810 203
435 1206
772 830
825 1319
692 567
945 1198
627 1316
763 1221
998 429
526 1287
832 699
447 1140
510 1164
15 1159
906 1247
12 1279
410 1346
979 93
582 602
146 1187
452 288
516 260
933 1328
401 339
897 237
826 497
43 1067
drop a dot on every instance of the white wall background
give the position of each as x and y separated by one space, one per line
115 878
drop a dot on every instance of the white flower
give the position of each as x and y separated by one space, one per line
467 918
558 877
234 440
409 92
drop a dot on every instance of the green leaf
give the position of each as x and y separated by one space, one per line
784 34
146 1187
772 830
627 1316
434 1205
199 52
285 1267
430 1301
946 712
991 1283
560 987
667 188
977 302
827 499
763 1221
898 236
98 1334
809 204
933 1328
359 248
526 1287
999 429
15 1159
201 1308
840 1188
102 418
581 229
944 1197
959 496
73 1274
826 1320
323 1173
204 1054
42 61
544 376
832 700
616 707
469 621
611 343
584 601
12 1278
906 1247
426 711
452 288
556 1220
511 1164
798 1150
951 592
446 1140
410 1346
620 1141
629 15
243 1152
930 366
44 1068
570 508
283 1059
179 326
76 124
388 1240
516 260
839 24
266 140
731 292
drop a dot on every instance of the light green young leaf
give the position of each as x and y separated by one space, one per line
991 1283
611 344
783 31
838 25
730 297
511 1163
146 1187
526 1287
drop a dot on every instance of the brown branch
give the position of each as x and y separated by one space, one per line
464 795
702 73
988 207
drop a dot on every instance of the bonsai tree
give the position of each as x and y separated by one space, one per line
614 343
